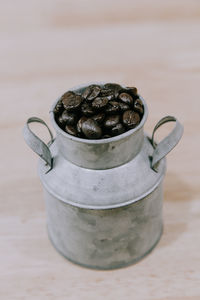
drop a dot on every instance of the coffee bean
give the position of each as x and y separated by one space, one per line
91 129
101 111
108 93
72 102
99 103
71 130
99 117
113 107
68 95
60 121
117 129
58 108
110 97
138 106
131 119
87 109
91 92
95 90
69 118
124 106
114 87
126 98
80 122
111 121
86 92
132 91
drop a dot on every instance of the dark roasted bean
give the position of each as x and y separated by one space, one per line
99 117
113 107
60 121
80 122
111 97
91 92
138 106
91 129
95 92
72 102
69 118
126 98
117 129
68 95
58 108
87 109
71 130
86 92
124 106
99 103
99 111
111 121
132 91
106 92
114 87
131 119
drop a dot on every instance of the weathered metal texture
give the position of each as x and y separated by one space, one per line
104 197
102 189
105 238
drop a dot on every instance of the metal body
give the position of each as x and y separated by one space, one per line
104 197
99 218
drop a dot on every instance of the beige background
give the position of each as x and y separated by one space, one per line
46 48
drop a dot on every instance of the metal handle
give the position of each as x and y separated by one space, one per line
36 144
168 143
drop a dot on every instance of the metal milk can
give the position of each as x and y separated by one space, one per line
103 197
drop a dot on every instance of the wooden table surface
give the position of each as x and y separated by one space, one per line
46 48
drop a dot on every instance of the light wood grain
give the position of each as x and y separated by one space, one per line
46 48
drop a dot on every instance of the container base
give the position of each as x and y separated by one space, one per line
107 268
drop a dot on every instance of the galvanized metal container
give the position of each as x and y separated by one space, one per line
103 197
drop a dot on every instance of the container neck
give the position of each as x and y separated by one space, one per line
101 155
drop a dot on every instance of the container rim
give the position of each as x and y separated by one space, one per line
97 141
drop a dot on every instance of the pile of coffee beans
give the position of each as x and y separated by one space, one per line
99 112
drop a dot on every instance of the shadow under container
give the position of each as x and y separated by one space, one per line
104 197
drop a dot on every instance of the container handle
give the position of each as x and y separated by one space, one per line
168 143
36 144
